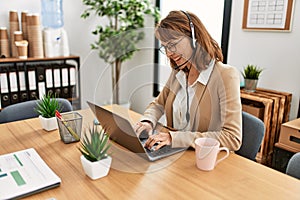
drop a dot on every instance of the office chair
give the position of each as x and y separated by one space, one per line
253 130
25 110
293 167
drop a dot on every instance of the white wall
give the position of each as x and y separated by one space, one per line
276 52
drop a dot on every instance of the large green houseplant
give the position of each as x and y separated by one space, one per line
251 74
118 37
94 148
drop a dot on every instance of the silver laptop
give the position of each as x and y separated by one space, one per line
121 131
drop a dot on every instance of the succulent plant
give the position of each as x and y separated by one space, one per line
47 106
94 144
251 72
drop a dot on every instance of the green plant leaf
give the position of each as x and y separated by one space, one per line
251 72
47 106
94 145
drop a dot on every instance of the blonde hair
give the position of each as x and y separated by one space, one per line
177 24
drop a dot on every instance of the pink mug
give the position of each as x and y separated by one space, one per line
207 150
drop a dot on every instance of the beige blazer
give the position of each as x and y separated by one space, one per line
215 109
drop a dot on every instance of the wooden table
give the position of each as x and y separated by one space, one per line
176 177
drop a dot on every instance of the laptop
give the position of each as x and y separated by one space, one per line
121 131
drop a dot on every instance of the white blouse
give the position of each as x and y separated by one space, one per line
180 101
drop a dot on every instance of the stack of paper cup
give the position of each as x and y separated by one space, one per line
13 26
35 38
22 49
18 35
4 43
24 24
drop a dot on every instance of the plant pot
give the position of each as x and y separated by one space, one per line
96 170
48 124
250 85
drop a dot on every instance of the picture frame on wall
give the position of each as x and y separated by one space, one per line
268 15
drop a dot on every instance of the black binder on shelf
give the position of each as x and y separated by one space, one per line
41 80
32 83
57 80
65 77
4 86
72 81
14 84
49 79
23 96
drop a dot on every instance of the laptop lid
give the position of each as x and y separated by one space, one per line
121 131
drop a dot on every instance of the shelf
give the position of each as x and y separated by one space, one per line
27 79
275 106
17 60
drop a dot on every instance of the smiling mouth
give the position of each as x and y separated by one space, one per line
176 59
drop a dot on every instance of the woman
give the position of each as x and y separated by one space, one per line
202 95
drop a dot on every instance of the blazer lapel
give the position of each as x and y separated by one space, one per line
169 103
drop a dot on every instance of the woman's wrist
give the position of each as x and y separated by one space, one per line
148 121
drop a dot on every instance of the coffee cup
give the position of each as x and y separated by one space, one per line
207 150
22 48
3 33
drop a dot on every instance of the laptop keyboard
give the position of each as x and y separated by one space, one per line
162 151
165 150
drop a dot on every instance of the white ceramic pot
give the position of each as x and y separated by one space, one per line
48 124
96 170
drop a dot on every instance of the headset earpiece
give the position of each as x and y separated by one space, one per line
192 29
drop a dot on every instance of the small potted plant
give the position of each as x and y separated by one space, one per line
46 108
251 75
94 146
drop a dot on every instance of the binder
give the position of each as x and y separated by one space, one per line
57 80
72 85
32 83
49 79
5 97
13 80
65 81
22 85
40 70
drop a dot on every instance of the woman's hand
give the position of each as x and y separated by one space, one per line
143 127
161 139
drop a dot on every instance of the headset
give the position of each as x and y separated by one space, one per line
191 27
187 115
194 44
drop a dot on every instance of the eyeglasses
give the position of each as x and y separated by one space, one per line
169 47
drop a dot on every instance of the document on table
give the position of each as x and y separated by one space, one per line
23 173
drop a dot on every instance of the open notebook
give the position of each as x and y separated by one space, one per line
24 173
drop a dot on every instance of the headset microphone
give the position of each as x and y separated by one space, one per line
178 66
187 75
192 28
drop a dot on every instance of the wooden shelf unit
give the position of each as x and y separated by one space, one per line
276 108
39 66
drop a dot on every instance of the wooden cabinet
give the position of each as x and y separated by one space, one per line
23 80
273 108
